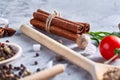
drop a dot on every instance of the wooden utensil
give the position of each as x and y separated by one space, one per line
96 69
47 73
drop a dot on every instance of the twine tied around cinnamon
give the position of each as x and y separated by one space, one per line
49 20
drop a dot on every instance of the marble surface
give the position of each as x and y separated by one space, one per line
103 15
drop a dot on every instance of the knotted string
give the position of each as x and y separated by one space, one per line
49 20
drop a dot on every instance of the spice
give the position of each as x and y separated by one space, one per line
7 72
16 68
20 73
113 74
7 41
59 26
60 22
6 32
10 66
21 65
59 58
55 30
37 54
6 52
38 69
83 41
35 63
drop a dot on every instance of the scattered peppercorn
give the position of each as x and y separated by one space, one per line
36 63
10 66
7 72
20 73
59 58
16 68
37 54
21 65
7 41
38 69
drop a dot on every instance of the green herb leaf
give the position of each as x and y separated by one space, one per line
98 36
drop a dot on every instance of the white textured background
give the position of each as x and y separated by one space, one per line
103 15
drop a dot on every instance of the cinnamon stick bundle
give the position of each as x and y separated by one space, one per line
86 25
59 26
55 30
60 22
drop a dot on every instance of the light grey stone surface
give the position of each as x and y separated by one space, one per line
103 15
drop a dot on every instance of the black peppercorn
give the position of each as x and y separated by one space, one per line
38 69
21 65
59 58
16 68
37 54
10 66
20 73
11 72
36 63
4 67
7 41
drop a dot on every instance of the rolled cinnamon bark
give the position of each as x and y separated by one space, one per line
86 25
59 22
55 30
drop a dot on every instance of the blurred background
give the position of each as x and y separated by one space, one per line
102 15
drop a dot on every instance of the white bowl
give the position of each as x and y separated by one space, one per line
18 51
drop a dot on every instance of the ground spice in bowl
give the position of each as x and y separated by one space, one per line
113 74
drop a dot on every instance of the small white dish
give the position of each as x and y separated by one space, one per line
18 51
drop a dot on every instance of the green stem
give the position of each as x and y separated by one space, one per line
117 51
98 36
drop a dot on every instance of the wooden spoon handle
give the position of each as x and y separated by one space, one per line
47 73
60 49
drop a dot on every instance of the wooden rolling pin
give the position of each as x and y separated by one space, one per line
55 46
47 73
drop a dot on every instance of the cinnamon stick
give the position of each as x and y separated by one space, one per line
86 25
55 30
59 22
